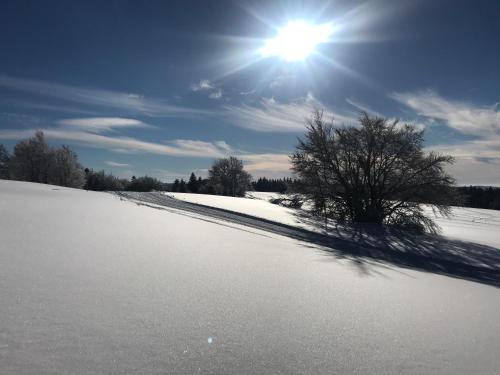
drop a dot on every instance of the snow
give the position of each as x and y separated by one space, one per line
467 224
257 205
90 283
472 224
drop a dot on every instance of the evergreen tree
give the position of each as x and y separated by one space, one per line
145 184
272 185
193 183
182 186
175 186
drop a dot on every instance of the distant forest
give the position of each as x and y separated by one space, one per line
278 185
481 197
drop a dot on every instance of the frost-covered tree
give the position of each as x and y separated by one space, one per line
31 160
4 162
376 172
35 161
64 169
227 177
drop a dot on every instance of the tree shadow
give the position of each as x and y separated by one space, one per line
365 244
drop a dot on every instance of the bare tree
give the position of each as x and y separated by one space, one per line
4 162
64 169
375 173
228 177
35 161
31 160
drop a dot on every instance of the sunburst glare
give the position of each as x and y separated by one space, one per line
297 40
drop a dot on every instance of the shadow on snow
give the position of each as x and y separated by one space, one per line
365 245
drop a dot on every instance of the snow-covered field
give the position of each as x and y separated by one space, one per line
91 283
467 224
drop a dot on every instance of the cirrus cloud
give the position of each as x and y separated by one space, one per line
126 102
179 147
271 116
102 124
478 160
465 117
118 165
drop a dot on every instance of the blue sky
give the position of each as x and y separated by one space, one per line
164 87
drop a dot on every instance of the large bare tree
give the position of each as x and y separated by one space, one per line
376 172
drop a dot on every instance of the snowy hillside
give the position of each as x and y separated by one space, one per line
93 283
467 224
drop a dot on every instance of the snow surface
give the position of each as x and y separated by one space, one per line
257 204
90 283
467 224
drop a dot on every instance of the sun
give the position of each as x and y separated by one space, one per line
297 40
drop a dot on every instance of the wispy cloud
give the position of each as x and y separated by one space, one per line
118 165
202 85
485 149
180 147
267 162
478 161
223 146
127 102
202 148
271 116
217 94
480 121
103 124
362 107
465 117
207 87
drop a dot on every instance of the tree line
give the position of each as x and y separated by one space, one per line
34 160
481 197
376 172
274 185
